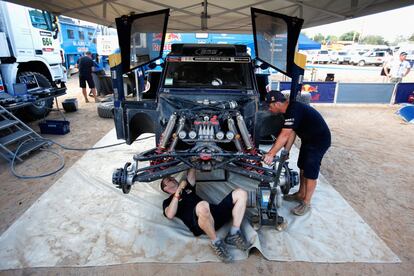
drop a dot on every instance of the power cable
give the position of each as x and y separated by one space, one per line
61 158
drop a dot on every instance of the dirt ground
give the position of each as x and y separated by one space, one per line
369 163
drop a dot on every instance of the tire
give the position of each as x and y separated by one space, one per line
40 109
106 110
361 63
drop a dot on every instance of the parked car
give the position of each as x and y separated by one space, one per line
371 57
339 57
321 56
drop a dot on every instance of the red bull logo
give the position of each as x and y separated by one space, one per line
313 90
169 37
157 37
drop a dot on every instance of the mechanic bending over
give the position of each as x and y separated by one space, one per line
202 217
304 121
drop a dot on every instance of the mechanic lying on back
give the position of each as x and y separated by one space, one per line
304 121
202 217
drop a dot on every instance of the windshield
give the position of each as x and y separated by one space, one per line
214 75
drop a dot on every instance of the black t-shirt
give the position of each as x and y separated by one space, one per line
85 66
308 124
186 204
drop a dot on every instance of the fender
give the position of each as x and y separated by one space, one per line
55 70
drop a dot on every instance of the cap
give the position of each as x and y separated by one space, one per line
403 53
275 96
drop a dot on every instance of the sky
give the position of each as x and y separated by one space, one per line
388 24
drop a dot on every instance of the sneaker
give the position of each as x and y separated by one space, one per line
237 240
301 209
221 251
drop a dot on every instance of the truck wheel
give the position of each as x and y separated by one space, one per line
105 110
39 109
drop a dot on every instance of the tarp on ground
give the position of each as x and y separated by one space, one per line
83 220
407 113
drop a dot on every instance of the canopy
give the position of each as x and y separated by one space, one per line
215 15
305 43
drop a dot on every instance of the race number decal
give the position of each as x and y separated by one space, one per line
47 41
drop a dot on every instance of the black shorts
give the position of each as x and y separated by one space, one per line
222 213
83 80
310 158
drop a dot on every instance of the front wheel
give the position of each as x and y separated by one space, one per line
361 63
39 109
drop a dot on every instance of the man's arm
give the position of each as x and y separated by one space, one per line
191 176
171 210
281 141
290 141
408 71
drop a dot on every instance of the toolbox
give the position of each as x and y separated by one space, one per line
59 127
70 105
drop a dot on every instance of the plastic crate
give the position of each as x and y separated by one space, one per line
70 105
54 127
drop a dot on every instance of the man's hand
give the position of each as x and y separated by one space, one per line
182 185
268 158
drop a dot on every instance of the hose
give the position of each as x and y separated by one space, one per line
61 159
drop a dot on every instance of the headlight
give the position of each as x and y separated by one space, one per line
230 135
182 134
220 135
192 134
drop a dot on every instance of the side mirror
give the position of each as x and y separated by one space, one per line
55 26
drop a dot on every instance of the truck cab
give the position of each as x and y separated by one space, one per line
31 60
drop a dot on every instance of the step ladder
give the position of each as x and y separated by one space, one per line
13 132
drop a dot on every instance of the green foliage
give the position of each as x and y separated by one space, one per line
318 37
373 39
350 36
411 38
332 38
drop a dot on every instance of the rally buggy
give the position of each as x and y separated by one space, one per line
207 110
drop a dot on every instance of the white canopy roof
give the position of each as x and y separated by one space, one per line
215 15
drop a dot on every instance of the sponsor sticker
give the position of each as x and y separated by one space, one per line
43 33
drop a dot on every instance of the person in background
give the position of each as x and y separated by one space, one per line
386 64
399 68
85 65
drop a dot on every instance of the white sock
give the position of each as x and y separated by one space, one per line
234 230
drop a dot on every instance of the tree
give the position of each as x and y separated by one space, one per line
318 37
373 39
411 38
399 39
350 36
332 38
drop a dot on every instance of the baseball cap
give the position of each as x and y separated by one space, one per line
275 96
403 53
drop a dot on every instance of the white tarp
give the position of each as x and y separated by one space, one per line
83 220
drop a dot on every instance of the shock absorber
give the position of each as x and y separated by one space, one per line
232 128
180 127
168 131
244 132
